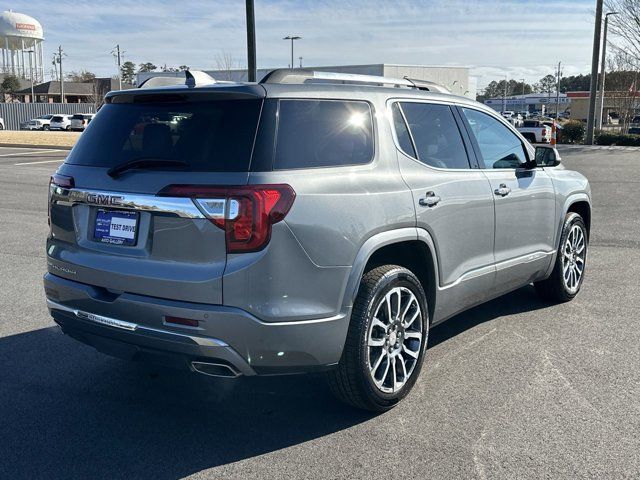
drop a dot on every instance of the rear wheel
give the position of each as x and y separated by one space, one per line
568 272
386 342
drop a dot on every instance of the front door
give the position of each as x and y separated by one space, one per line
524 201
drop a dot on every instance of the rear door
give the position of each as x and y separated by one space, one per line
123 232
524 201
452 199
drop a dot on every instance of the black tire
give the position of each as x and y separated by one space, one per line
45 127
351 380
554 289
68 128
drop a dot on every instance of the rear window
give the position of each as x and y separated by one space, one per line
77 117
323 133
214 136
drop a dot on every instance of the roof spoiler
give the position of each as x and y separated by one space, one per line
305 75
191 79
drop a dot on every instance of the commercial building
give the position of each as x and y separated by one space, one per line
533 102
456 79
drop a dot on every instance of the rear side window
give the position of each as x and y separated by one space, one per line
213 136
57 119
323 133
436 135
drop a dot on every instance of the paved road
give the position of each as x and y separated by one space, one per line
511 389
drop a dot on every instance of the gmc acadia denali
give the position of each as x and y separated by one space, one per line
310 222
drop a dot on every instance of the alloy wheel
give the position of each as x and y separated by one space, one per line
394 339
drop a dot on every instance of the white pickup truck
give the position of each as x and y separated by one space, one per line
535 131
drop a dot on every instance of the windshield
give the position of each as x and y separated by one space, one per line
209 136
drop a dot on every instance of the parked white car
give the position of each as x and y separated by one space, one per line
39 123
1 123
60 122
80 121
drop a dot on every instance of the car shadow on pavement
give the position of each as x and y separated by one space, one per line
67 411
522 300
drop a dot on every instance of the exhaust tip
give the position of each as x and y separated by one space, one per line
215 369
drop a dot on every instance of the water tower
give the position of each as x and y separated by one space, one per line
21 38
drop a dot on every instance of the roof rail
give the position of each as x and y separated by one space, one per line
190 79
305 75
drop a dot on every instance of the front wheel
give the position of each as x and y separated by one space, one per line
568 272
386 341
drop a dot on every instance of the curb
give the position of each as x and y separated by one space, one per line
48 147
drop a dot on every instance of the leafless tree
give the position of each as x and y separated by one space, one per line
225 63
623 83
625 26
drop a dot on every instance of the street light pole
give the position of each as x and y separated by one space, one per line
595 56
30 52
603 67
524 104
251 41
292 38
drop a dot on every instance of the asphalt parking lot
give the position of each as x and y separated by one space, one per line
512 389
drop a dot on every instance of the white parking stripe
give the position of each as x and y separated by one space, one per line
43 161
33 152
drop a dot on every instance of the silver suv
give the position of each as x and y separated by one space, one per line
310 222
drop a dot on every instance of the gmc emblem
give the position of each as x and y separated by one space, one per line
103 199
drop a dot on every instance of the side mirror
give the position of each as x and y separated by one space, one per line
547 156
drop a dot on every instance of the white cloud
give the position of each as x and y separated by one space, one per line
520 38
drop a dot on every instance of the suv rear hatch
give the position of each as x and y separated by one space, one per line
115 223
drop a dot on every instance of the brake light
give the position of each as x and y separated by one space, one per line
63 181
245 213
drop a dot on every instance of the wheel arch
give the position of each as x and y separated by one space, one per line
411 248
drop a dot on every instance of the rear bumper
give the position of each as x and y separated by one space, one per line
133 327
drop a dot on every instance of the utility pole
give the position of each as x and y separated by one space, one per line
558 91
603 67
595 56
292 38
504 95
251 41
60 52
300 58
524 104
118 55
30 52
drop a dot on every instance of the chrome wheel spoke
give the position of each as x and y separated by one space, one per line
412 334
409 351
378 362
394 375
376 322
376 342
409 322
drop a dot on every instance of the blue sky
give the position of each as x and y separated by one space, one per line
520 38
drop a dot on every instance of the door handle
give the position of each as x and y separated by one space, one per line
430 200
503 190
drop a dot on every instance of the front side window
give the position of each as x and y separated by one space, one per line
323 133
499 146
435 135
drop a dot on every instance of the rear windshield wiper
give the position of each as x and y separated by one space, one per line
145 162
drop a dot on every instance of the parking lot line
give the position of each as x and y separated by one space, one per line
33 152
60 160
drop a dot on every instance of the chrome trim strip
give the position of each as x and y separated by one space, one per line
113 322
181 207
496 267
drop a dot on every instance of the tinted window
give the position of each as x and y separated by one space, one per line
77 117
57 119
436 135
323 133
499 146
402 133
210 136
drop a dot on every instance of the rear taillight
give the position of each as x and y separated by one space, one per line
245 213
57 182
